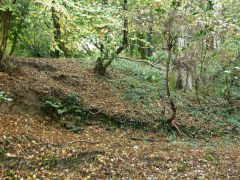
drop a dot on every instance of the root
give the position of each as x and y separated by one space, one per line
179 131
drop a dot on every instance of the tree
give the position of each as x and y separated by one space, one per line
57 35
106 56
18 25
6 11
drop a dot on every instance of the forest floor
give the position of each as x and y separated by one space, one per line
34 146
31 147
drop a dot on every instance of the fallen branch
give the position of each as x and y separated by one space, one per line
143 139
85 141
179 131
99 111
142 60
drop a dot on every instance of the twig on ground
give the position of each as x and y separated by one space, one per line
85 141
143 139
179 131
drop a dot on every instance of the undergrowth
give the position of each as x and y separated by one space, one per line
143 85
70 111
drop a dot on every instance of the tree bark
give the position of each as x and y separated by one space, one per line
56 32
141 47
149 36
5 22
101 67
57 36
14 44
170 45
149 39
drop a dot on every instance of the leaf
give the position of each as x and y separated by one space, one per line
63 152
214 54
10 155
61 111
183 48
10 99
206 26
195 13
160 10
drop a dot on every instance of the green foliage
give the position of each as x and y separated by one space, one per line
182 165
70 109
135 95
49 162
10 174
4 97
2 154
212 156
164 125
234 122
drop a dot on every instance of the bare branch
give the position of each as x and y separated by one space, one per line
142 60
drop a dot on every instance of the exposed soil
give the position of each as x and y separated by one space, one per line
37 79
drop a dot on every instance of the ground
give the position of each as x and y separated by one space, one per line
35 146
36 149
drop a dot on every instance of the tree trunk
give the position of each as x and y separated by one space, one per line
56 32
149 39
101 67
57 36
170 44
185 72
173 107
5 22
65 50
149 36
14 43
141 47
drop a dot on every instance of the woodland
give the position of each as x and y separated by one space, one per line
119 89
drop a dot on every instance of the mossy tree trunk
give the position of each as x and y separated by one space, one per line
57 36
56 32
14 44
100 68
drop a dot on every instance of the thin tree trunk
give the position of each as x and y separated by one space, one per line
141 47
174 110
149 39
14 44
173 107
149 36
56 32
57 36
